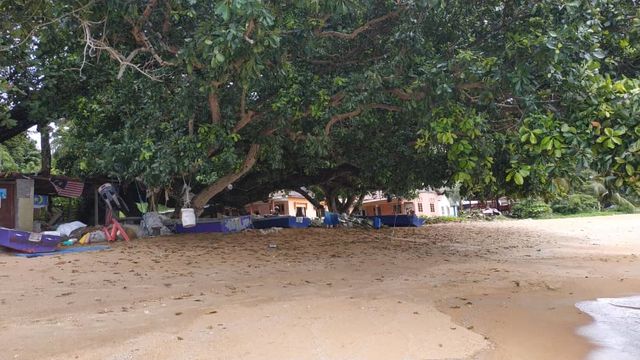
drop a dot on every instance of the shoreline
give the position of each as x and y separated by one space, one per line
509 319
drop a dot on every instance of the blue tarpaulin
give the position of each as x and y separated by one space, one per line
67 251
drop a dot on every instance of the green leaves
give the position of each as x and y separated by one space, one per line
223 10
611 138
517 174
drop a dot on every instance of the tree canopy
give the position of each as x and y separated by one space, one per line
348 96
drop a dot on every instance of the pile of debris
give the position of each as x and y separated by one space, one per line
78 232
343 220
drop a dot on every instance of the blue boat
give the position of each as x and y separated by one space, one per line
399 220
281 221
28 242
226 225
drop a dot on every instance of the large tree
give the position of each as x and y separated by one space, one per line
501 97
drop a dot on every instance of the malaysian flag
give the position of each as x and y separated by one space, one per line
68 188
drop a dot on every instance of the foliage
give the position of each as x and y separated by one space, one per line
502 98
530 208
19 154
575 203
623 205
441 219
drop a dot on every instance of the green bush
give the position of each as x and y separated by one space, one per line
440 219
530 208
575 204
622 204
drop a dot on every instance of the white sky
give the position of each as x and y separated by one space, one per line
35 135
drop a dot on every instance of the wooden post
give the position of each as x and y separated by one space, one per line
96 198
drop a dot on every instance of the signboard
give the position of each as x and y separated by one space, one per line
40 201
3 195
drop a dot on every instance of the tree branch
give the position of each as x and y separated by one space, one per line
365 27
408 96
245 120
203 197
310 198
359 110
92 44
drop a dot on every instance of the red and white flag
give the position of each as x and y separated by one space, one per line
68 188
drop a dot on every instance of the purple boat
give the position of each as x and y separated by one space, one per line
226 225
28 242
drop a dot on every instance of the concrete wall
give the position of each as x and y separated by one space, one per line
24 204
301 202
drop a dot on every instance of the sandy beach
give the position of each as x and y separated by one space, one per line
481 290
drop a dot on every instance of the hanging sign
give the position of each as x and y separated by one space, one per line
3 195
40 201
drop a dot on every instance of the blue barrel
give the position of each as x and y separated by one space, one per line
331 219
377 223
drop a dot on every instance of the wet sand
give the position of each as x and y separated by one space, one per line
497 290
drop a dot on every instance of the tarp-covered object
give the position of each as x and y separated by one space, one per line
152 224
28 242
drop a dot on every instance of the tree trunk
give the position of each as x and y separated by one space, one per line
203 197
45 150
358 203
346 205
310 198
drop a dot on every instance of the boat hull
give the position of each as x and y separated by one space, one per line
28 242
282 221
400 220
227 225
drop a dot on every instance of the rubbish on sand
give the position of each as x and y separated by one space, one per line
270 230
67 228
153 225
93 237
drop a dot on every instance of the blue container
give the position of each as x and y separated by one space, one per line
377 223
331 219
281 221
399 220
227 225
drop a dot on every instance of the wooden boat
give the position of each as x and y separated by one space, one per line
226 225
400 220
28 242
281 221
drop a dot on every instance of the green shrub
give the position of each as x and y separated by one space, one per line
530 208
622 204
440 219
575 204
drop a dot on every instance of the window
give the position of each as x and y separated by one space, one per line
420 209
377 210
301 211
432 207
397 209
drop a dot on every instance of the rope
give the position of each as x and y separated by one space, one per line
186 193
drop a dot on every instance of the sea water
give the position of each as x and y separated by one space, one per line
615 328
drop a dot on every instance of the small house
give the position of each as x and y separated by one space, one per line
289 203
426 203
